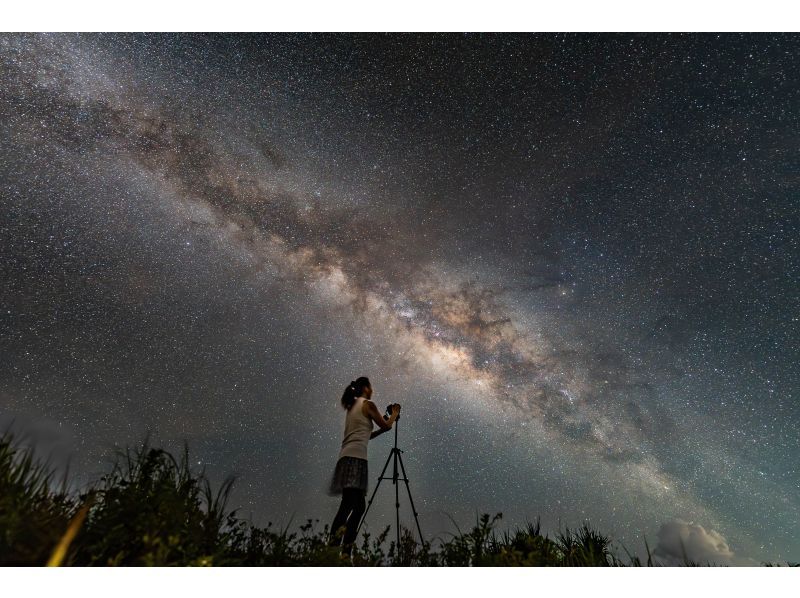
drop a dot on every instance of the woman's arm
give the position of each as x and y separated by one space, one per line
395 413
384 425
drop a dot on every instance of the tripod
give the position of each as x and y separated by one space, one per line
396 456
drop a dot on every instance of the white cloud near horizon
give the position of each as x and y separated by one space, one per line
679 540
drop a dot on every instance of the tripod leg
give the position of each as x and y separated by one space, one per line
369 504
397 498
411 500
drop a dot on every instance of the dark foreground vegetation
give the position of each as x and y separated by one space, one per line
151 509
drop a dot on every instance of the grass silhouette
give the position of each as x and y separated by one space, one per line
151 509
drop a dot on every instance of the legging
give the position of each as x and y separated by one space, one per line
353 504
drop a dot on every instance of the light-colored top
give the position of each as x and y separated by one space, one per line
357 430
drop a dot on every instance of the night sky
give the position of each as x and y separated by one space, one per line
573 259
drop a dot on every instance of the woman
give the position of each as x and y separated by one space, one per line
350 476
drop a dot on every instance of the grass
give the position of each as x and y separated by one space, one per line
151 509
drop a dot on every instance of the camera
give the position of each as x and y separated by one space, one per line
388 413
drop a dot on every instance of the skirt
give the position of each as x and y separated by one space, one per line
350 472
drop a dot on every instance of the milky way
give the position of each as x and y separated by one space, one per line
572 258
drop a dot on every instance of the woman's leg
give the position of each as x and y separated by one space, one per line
359 504
349 500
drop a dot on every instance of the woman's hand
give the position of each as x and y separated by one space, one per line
386 425
371 411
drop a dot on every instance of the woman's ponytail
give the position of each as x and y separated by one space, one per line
353 390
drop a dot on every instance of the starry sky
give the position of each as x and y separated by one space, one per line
573 259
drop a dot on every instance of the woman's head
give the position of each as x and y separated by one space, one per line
359 387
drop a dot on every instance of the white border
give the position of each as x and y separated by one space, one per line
398 583
402 15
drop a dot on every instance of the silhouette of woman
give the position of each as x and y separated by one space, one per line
350 476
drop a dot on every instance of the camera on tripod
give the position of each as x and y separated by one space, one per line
388 413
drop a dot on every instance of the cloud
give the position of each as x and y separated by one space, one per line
679 541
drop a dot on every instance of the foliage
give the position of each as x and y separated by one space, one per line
33 516
151 509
